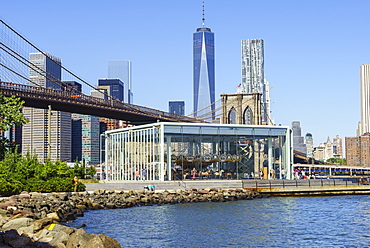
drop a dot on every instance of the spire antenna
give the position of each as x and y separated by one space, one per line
203 19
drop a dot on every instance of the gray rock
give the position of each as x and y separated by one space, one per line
39 224
20 241
79 239
59 237
17 223
102 241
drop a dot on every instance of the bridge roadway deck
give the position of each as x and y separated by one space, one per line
266 187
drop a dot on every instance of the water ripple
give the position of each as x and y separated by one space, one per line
337 221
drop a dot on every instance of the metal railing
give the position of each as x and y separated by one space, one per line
20 90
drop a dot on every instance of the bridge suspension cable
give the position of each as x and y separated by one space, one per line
16 67
206 107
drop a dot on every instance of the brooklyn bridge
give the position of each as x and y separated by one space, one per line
16 68
15 80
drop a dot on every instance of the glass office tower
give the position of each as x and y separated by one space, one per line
122 69
203 73
176 107
115 87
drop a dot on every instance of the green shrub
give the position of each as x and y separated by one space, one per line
10 187
53 185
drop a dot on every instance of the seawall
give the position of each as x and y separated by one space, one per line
305 187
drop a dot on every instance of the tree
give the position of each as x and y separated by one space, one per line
340 161
10 114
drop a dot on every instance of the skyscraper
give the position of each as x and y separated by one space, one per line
298 140
203 71
365 98
115 87
46 72
85 138
122 69
253 75
176 107
308 140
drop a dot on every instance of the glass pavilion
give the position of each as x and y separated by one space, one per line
177 151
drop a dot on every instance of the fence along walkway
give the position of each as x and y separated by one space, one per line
308 187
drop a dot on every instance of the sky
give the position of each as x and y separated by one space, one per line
313 50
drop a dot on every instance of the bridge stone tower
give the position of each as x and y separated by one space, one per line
241 108
245 108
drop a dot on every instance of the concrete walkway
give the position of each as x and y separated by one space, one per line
268 187
166 185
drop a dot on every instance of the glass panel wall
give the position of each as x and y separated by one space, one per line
133 155
198 152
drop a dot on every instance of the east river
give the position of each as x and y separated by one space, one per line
335 221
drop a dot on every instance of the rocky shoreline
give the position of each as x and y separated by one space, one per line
35 219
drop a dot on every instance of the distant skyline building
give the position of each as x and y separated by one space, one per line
75 85
203 71
358 151
328 149
253 75
85 139
337 147
45 71
122 69
298 140
114 87
308 140
365 98
35 134
176 107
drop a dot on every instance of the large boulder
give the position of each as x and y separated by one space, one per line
102 241
79 239
17 223
40 224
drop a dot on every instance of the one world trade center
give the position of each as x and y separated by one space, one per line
204 73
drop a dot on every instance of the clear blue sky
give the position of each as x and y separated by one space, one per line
313 49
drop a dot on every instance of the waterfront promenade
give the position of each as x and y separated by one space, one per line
266 187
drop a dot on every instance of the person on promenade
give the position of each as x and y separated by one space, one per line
143 174
261 174
75 183
283 173
272 174
137 175
194 173
296 174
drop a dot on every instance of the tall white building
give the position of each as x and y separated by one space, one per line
253 76
122 69
365 98
46 72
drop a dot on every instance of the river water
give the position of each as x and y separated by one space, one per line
336 221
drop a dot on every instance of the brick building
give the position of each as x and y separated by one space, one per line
358 151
